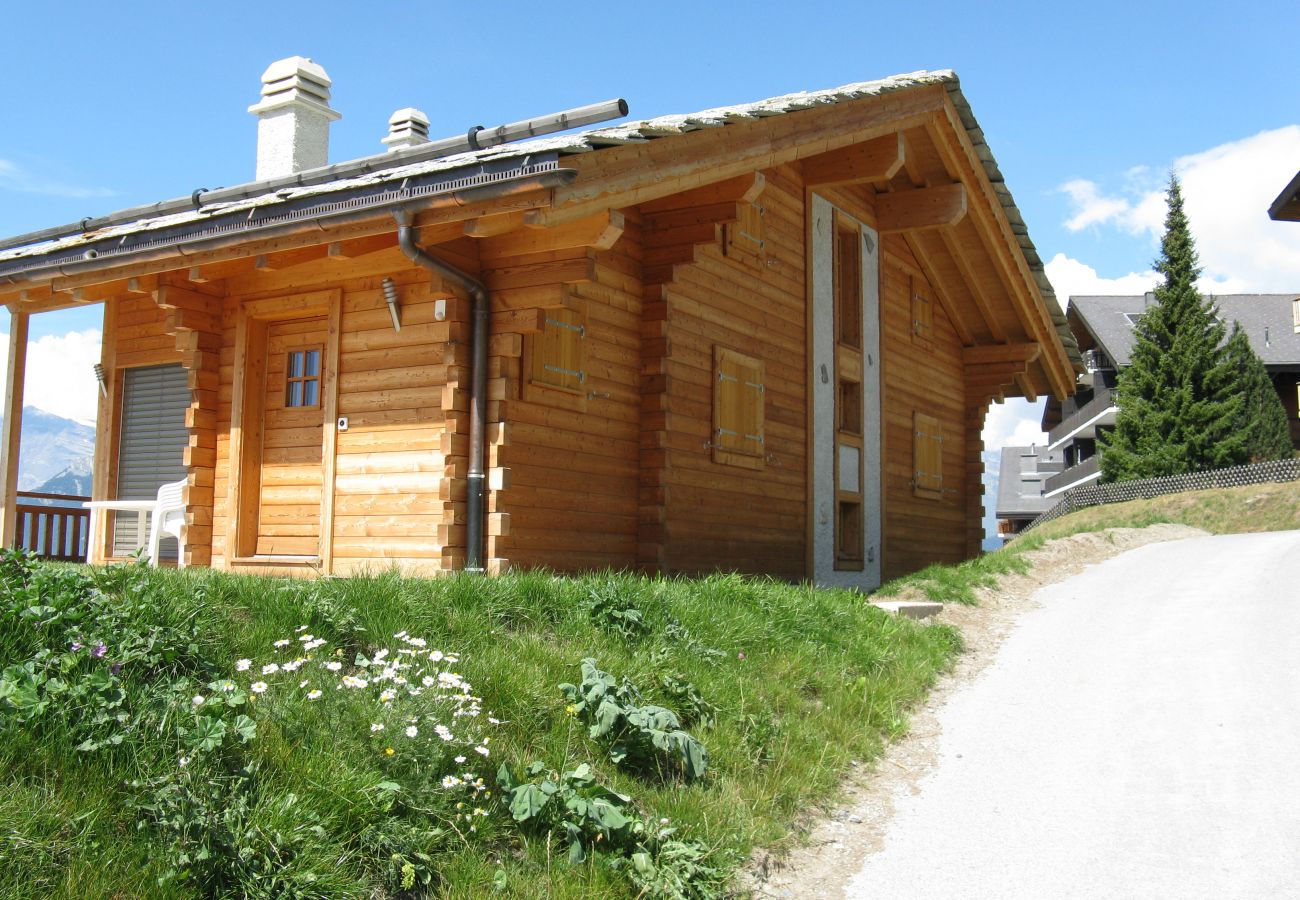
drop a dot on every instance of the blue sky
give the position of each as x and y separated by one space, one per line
1086 106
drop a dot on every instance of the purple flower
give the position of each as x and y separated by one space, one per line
115 668
76 645
100 649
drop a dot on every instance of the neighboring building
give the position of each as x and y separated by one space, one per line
1021 476
760 338
1103 327
1286 208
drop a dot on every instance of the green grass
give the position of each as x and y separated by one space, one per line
958 583
1251 508
805 681
1261 507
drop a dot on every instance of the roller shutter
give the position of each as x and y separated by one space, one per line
151 454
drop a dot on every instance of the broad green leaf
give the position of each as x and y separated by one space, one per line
607 816
246 728
526 802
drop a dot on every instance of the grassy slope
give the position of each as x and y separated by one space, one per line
1259 507
1255 507
805 681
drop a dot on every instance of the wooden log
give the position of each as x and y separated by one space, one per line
932 207
875 160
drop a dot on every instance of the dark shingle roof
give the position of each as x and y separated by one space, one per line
1266 319
610 136
1020 494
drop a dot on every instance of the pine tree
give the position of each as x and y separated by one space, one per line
1179 402
1262 419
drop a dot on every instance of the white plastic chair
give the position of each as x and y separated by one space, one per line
167 516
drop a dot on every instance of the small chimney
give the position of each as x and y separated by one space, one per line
294 115
407 128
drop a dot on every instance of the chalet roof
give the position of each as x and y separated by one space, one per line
372 173
1266 319
1021 473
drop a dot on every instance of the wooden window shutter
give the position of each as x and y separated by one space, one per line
558 357
744 237
739 394
927 456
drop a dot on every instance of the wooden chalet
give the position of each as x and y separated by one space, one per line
758 338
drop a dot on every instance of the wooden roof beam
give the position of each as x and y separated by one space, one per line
491 226
1027 387
598 232
931 207
1021 354
955 149
973 285
745 188
616 176
341 251
879 159
39 300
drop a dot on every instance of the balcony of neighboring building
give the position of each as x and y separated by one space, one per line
1086 471
1084 420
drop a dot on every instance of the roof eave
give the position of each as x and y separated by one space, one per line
1286 208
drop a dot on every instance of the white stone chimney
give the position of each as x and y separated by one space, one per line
407 128
294 115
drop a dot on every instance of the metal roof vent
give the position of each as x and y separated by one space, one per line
407 128
294 116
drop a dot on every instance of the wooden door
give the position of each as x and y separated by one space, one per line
292 470
846 412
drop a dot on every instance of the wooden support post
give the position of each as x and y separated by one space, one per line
875 160
11 433
932 207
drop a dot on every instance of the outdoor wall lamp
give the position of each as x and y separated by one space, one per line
390 297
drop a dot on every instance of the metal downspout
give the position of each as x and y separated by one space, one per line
479 333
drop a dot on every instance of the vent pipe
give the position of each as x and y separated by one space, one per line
407 128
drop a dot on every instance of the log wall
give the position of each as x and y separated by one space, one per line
620 473
714 515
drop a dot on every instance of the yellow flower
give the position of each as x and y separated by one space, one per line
389 751
570 710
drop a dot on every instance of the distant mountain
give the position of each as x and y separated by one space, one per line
74 481
51 444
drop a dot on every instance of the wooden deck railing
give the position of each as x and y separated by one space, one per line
52 531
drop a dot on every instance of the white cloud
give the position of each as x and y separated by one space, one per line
1014 423
1090 207
15 178
1070 277
1227 191
60 378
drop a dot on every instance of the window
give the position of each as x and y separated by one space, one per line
152 444
744 237
738 396
848 283
927 457
557 357
302 378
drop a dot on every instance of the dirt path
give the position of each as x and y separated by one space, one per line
834 846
